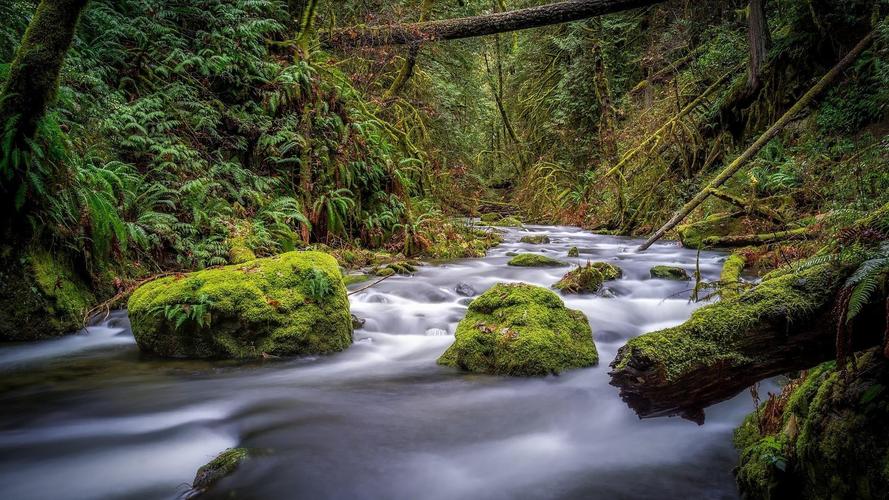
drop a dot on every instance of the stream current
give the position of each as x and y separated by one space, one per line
88 417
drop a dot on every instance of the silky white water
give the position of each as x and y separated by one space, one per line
87 416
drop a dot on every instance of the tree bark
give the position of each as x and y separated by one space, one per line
760 41
34 74
767 136
488 24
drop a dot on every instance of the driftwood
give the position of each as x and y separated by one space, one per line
763 139
467 27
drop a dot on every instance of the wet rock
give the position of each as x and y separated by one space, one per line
534 260
521 330
573 252
588 278
535 240
669 273
288 305
511 254
465 289
357 323
436 332
223 465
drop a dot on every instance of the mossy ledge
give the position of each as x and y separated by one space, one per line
780 325
824 436
291 304
521 330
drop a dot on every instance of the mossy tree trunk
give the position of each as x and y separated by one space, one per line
410 61
32 85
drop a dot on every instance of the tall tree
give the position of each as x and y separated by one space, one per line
760 41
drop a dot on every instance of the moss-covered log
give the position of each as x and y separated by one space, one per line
783 324
730 278
488 24
743 240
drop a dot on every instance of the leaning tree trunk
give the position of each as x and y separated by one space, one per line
34 74
30 89
488 24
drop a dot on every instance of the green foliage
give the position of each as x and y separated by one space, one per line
179 314
867 280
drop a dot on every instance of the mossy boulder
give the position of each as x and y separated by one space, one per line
507 222
669 273
535 240
588 278
573 252
490 217
404 268
693 235
240 253
41 295
223 465
534 260
824 436
291 304
521 330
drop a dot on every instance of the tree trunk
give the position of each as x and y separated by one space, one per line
34 73
488 24
407 67
760 41
767 136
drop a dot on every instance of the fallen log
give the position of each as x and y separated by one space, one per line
743 240
467 27
730 278
729 171
783 324
752 207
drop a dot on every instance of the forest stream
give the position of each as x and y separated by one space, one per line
87 416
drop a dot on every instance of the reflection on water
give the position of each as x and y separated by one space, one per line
88 417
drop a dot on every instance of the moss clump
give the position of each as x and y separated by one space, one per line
534 260
573 252
693 235
291 304
831 441
41 296
404 268
535 240
588 278
351 279
238 253
490 217
715 333
731 275
507 222
669 273
223 465
522 330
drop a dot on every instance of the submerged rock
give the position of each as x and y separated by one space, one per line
522 330
223 465
535 240
669 273
824 436
291 304
573 252
588 278
465 290
357 322
534 260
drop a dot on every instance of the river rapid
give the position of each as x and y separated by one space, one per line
88 417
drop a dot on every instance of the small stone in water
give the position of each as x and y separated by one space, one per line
357 322
465 289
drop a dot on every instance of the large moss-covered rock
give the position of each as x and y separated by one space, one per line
523 330
588 278
291 304
672 273
41 295
824 437
534 260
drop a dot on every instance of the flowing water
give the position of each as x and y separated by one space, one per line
88 417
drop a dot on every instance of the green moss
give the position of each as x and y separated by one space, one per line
522 330
507 222
404 268
223 465
715 333
351 279
535 240
240 253
40 296
573 252
731 275
693 235
290 304
588 278
534 260
490 217
669 273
